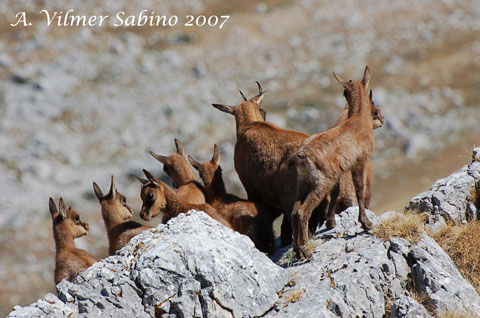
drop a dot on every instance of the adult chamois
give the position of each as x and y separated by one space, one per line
324 157
261 155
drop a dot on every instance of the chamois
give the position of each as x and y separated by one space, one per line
324 157
116 216
260 150
261 154
246 217
346 197
158 197
67 226
182 175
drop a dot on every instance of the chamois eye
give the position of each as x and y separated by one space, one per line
77 218
150 197
124 201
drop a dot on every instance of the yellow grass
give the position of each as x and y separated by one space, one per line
456 314
409 226
462 244
294 296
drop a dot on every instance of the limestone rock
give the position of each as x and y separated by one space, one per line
355 274
453 198
191 267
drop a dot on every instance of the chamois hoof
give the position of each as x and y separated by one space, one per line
331 224
303 252
366 224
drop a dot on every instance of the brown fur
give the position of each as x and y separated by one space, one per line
324 157
116 216
67 226
346 197
182 175
158 198
246 217
261 154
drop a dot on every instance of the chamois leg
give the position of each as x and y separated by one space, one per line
368 182
301 217
295 223
331 206
317 218
358 181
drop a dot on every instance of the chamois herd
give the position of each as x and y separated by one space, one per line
305 178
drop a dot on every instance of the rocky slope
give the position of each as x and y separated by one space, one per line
194 266
191 267
455 198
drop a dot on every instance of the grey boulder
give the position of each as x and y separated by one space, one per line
191 267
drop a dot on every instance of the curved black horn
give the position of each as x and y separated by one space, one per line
243 95
260 91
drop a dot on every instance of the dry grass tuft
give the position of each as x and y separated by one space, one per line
456 314
425 301
461 242
294 296
409 226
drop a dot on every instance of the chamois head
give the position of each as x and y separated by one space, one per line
208 169
153 196
249 110
357 93
114 204
378 119
68 219
175 166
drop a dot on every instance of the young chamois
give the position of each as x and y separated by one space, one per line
67 226
182 175
116 216
245 217
158 198
261 154
324 157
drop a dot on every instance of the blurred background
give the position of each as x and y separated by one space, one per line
78 104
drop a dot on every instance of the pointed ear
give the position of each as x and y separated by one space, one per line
98 191
110 194
257 99
225 108
340 80
366 77
61 208
194 162
162 159
53 208
216 155
179 146
151 178
142 181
